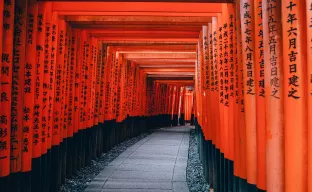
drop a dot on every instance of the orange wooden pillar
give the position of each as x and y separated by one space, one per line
46 99
295 95
175 105
215 104
241 104
260 96
18 59
236 99
224 82
38 145
170 91
309 91
274 100
206 101
98 116
71 62
86 99
6 92
222 134
226 94
94 118
53 103
182 105
205 80
89 100
210 104
62 54
66 123
78 108
109 81
120 96
107 85
248 31
231 92
174 97
102 54
57 129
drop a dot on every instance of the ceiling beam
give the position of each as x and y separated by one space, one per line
166 66
171 78
167 60
138 19
144 35
168 69
147 40
166 73
129 27
170 75
155 48
172 55
113 13
137 7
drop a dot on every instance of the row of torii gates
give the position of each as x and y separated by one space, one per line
78 78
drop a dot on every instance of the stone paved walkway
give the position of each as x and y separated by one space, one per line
156 163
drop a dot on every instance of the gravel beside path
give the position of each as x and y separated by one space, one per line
194 171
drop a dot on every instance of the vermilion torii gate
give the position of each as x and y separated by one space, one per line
78 78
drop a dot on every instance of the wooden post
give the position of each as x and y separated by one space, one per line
274 100
248 31
260 95
309 91
19 43
295 95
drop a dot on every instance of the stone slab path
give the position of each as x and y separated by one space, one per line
156 163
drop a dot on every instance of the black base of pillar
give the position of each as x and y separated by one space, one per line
36 180
235 184
47 182
192 119
182 119
5 183
175 120
218 170
25 182
15 182
105 135
55 169
69 158
252 188
44 171
63 160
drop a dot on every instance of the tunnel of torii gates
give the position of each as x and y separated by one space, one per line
78 78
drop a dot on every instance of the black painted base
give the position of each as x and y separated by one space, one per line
36 180
175 120
182 119
192 119
5 184
55 180
15 182
218 170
